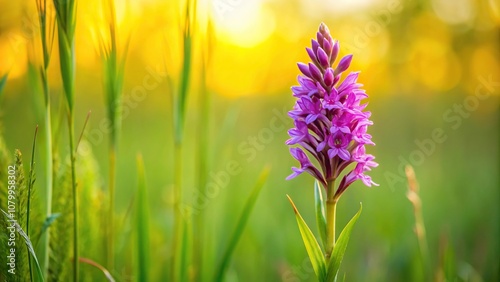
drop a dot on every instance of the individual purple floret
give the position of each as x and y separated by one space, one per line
330 121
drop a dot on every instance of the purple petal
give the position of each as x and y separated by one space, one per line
311 118
321 146
322 58
296 172
311 54
315 72
335 52
327 47
332 152
328 77
315 45
348 81
344 64
344 154
304 69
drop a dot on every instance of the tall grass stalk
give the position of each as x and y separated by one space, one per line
203 145
114 67
179 116
66 24
413 196
31 180
47 26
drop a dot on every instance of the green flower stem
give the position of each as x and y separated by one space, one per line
71 127
331 210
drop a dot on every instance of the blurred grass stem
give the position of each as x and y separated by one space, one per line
47 40
71 125
203 145
179 117
414 198
178 223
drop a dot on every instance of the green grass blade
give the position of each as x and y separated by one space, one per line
28 244
189 15
247 210
340 247
3 81
67 67
142 223
46 224
313 249
31 181
320 211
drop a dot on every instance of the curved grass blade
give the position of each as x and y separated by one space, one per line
27 242
313 249
46 224
320 212
31 182
106 273
3 81
340 247
245 214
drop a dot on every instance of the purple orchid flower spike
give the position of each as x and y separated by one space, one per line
329 139
330 121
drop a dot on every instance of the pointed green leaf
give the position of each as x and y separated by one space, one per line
46 224
3 81
340 247
245 214
313 249
66 62
320 211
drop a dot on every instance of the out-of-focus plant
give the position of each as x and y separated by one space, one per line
180 244
114 68
66 25
47 22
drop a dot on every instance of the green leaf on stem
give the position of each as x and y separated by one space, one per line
320 211
313 249
340 247
238 231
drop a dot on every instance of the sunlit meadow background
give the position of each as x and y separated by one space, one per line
418 59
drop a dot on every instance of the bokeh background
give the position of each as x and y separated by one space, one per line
427 65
